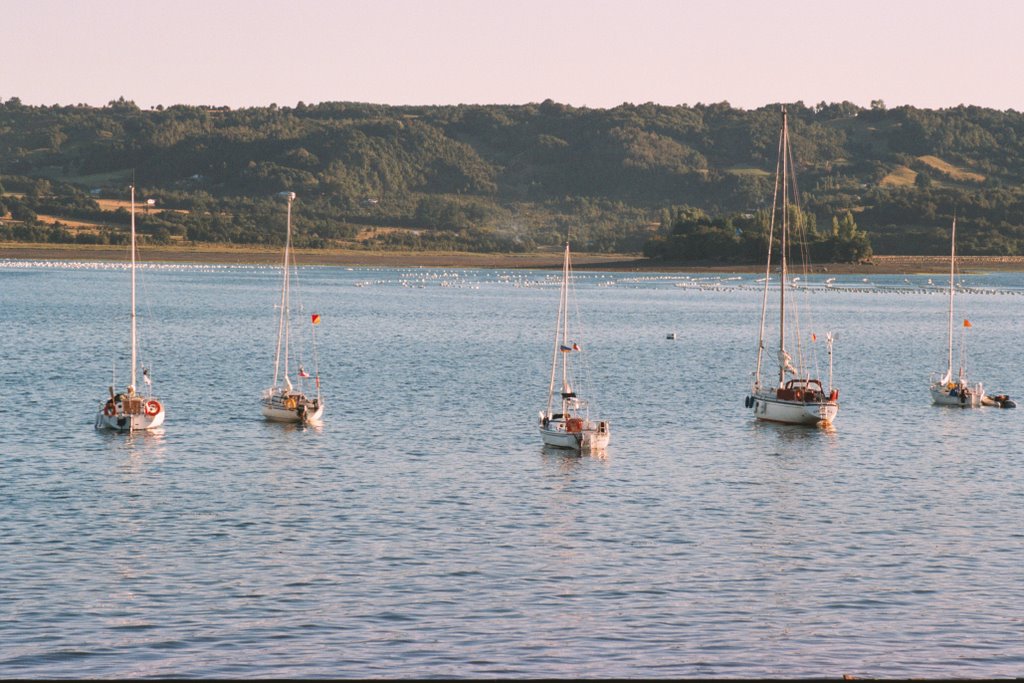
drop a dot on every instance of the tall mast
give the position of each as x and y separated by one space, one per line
561 332
565 315
287 285
768 262
134 353
282 329
785 226
952 261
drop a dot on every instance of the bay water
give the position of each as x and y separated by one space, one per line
422 530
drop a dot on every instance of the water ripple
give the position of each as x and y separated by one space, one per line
422 531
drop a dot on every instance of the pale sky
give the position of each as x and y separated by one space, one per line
586 53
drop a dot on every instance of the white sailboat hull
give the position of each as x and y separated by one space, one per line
946 395
591 437
293 408
770 408
145 415
283 415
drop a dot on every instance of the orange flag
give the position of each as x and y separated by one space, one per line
316 319
967 323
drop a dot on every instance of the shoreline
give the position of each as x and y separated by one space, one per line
882 265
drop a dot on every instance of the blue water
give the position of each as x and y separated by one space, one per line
422 531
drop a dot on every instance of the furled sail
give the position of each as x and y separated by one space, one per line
786 362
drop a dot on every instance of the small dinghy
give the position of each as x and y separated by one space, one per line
998 401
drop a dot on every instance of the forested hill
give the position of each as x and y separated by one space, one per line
504 177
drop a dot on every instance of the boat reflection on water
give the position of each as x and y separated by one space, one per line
796 436
552 453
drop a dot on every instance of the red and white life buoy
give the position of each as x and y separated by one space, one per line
153 408
109 409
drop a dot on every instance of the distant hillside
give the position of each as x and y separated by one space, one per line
505 178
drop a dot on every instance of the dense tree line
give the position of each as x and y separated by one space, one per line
518 177
690 235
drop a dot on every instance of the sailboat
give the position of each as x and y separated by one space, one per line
566 423
945 390
282 401
131 410
792 395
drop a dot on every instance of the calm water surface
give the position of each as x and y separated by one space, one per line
423 531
